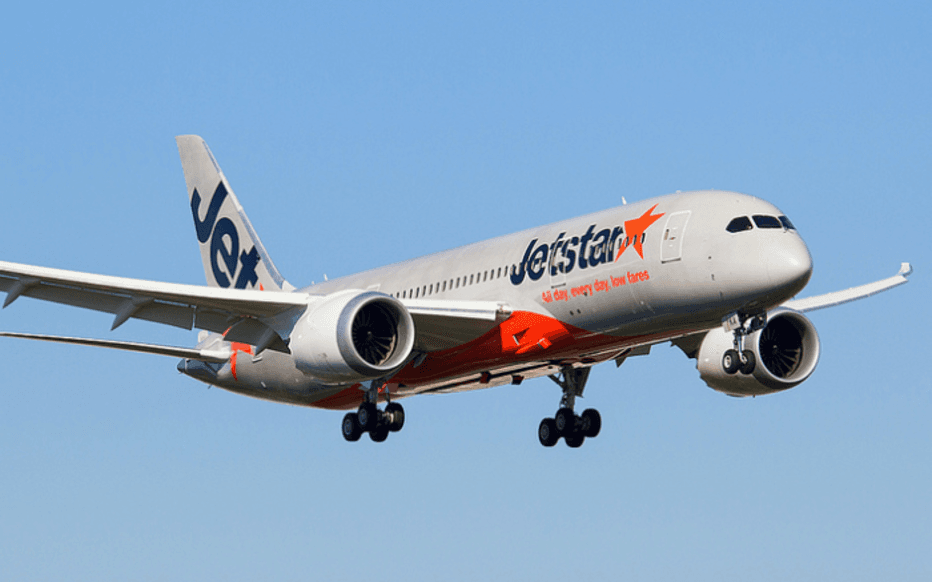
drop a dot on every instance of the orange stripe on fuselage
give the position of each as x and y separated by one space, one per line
525 336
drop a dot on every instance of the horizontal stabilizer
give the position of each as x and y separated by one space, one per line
212 356
852 294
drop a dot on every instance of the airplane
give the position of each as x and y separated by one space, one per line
713 272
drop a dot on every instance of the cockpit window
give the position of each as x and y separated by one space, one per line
739 224
764 221
786 223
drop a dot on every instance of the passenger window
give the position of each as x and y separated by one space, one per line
764 221
739 224
786 223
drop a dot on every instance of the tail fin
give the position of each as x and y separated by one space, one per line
231 250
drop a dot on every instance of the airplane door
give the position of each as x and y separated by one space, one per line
672 247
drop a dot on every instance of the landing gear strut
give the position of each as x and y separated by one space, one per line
368 418
574 429
739 359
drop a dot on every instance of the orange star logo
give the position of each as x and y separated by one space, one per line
635 229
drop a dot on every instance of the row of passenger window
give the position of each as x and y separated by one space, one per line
430 289
743 223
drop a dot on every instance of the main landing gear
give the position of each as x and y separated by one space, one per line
739 359
378 423
574 429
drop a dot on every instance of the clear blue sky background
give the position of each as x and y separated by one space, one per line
362 133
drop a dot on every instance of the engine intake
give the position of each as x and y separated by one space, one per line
786 350
351 336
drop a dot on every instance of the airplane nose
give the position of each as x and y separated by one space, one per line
789 264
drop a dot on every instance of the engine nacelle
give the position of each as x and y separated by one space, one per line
352 336
786 352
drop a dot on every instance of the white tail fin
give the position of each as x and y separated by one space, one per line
232 253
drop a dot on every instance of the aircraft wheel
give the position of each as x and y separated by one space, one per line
574 440
565 421
380 433
396 415
731 361
351 429
547 432
747 367
368 417
592 422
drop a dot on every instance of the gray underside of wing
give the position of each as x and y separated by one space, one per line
443 324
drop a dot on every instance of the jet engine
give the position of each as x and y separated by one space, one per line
786 351
352 336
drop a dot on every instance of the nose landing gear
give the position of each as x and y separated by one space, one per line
574 429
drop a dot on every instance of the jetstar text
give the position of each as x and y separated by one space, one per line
565 254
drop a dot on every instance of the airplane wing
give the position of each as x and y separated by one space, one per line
235 312
442 323
852 294
185 306
690 343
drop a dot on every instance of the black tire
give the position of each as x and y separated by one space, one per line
731 361
368 417
351 430
547 432
396 414
592 422
379 434
575 440
565 421
750 362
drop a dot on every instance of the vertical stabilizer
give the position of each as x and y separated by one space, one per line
232 253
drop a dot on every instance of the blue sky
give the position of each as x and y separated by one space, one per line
358 134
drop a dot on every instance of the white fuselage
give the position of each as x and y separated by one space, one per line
591 287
